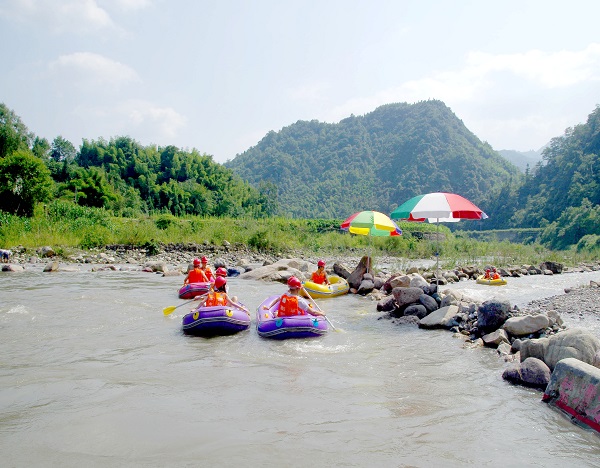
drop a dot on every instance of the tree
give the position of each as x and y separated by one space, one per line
41 148
14 135
62 150
24 181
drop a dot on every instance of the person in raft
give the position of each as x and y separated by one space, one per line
319 276
290 303
495 274
206 269
196 275
218 296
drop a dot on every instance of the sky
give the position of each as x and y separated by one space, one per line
219 75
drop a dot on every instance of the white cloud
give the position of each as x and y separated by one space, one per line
60 16
131 5
162 121
89 69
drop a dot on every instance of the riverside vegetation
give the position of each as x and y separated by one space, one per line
69 227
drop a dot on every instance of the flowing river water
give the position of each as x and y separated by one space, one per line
93 374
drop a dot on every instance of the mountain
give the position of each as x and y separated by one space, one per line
522 159
375 161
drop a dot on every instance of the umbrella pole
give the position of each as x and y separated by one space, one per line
437 254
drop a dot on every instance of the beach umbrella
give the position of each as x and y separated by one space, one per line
371 223
438 207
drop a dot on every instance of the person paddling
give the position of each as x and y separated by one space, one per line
196 275
206 269
218 296
290 303
320 276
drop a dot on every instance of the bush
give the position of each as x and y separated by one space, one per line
164 221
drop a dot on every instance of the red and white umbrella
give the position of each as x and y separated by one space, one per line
438 206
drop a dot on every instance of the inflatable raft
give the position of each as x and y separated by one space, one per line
280 328
491 282
191 290
338 287
215 320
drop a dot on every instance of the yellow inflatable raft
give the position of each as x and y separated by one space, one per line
338 287
491 282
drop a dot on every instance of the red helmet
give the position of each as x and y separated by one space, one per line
204 260
196 261
294 282
221 272
220 282
321 263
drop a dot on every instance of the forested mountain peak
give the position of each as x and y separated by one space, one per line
375 161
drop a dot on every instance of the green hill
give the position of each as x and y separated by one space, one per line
375 161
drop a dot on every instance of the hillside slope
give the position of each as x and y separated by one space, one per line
376 161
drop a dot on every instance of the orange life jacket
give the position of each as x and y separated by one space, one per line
197 276
215 299
495 276
288 306
319 278
208 272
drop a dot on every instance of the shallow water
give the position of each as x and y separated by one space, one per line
93 374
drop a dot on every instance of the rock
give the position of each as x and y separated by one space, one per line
417 281
46 251
526 324
406 296
387 305
428 302
50 267
575 343
156 266
417 310
341 270
495 338
441 318
12 268
356 276
492 314
172 273
531 372
554 267
366 286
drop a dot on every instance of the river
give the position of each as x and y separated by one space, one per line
93 374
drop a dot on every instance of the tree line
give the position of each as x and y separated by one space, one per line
121 176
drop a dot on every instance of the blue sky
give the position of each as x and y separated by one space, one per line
218 75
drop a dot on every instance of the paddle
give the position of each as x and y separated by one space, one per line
170 309
319 309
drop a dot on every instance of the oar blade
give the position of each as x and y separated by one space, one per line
169 310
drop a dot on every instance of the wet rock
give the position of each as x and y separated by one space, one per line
526 324
492 314
441 318
417 310
531 372
575 343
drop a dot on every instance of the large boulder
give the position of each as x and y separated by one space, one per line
554 267
428 302
526 324
441 318
417 310
492 314
532 372
356 276
279 271
406 296
341 270
577 343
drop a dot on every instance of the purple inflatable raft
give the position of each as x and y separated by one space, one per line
191 290
215 320
280 328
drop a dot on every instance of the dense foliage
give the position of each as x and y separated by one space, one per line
561 194
121 176
376 161
310 169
